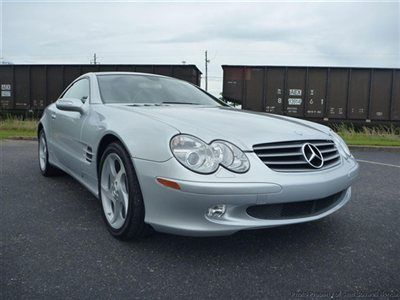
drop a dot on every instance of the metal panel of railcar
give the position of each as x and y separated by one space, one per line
275 85
107 68
337 93
381 86
395 100
144 69
6 87
164 70
55 83
295 91
315 101
233 84
185 73
359 88
38 87
90 68
125 68
254 82
71 73
22 87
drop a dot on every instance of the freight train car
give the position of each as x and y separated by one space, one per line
30 88
330 94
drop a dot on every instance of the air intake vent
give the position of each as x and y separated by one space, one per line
294 209
291 156
88 154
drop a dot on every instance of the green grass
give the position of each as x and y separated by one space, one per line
12 127
369 136
16 134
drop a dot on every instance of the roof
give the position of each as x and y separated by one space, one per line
280 66
109 65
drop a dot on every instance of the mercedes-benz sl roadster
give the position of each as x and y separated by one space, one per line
162 154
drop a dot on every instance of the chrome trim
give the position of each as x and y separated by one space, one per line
289 156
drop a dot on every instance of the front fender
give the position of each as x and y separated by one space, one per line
143 137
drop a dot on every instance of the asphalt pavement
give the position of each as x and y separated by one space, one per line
54 245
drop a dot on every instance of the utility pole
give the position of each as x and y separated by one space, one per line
206 60
94 59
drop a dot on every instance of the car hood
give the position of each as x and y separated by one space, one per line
241 127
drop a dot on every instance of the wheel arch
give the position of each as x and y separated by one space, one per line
106 140
40 127
141 229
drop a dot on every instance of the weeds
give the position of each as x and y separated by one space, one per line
387 131
378 135
14 127
15 123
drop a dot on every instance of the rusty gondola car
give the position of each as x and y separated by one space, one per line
322 94
30 88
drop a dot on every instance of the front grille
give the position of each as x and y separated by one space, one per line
288 156
294 209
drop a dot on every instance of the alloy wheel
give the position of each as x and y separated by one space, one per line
42 152
114 190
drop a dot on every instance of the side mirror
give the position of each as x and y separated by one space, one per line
70 104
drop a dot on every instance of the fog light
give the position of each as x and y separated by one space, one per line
216 211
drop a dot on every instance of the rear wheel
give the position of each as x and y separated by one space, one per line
43 152
120 194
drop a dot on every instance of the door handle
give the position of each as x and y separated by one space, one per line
53 116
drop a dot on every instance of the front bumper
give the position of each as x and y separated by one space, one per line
184 211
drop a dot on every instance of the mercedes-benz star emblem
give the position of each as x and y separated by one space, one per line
312 155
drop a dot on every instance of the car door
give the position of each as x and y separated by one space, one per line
67 127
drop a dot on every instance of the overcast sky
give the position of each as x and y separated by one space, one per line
263 33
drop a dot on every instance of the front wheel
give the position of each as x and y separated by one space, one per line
120 194
43 152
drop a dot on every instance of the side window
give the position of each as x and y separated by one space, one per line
79 90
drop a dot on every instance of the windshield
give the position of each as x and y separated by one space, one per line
137 89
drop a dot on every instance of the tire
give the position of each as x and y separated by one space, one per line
45 167
120 195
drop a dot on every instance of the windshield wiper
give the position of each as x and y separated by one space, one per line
179 102
161 103
143 104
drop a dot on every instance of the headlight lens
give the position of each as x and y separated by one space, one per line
201 157
230 156
340 143
193 154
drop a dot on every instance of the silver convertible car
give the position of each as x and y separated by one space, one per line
163 154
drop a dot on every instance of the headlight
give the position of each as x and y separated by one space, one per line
230 156
340 143
201 157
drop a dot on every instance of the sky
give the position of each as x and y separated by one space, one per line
292 33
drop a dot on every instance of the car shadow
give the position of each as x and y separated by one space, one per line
275 240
